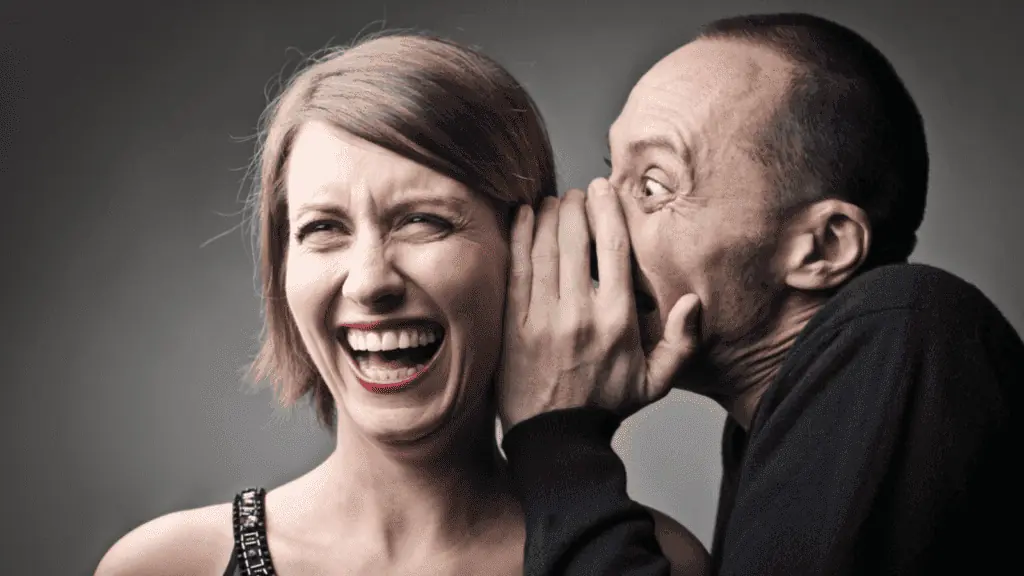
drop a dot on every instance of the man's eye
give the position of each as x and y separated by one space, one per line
654 188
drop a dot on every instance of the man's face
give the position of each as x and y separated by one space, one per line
700 209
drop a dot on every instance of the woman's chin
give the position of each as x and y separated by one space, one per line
402 426
403 413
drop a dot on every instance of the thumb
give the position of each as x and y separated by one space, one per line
677 345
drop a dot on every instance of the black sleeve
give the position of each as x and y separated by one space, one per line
572 485
887 456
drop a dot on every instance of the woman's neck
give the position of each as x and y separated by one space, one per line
432 494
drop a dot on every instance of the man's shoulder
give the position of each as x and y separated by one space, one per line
916 290
894 312
890 327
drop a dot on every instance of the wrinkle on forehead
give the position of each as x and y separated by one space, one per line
718 78
716 93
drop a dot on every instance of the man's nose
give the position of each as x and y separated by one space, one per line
372 281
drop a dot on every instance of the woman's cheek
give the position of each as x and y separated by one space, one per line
465 275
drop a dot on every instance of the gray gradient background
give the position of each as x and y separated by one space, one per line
123 335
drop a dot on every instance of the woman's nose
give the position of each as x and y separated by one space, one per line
372 281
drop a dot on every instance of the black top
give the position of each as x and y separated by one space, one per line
251 555
883 447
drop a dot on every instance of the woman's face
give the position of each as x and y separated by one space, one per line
395 276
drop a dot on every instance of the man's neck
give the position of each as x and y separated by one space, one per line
744 371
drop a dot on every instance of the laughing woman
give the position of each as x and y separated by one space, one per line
388 173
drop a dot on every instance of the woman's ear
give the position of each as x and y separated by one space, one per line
828 242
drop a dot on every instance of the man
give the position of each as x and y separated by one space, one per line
771 176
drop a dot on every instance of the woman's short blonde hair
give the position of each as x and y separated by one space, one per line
438 103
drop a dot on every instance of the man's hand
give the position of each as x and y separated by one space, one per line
567 343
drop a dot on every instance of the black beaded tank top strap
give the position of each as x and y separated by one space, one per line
251 553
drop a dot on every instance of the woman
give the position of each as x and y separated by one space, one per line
389 172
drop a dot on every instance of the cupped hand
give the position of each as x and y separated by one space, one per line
569 343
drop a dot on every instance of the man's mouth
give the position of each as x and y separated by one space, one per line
393 358
645 301
650 328
646 305
646 313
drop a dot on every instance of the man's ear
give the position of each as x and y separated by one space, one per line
826 243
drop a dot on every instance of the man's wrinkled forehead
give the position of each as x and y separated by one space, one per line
705 85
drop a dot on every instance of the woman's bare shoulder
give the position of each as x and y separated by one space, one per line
197 541
684 551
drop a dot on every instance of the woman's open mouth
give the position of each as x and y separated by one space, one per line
393 358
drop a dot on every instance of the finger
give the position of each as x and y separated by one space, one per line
677 345
611 240
573 246
544 255
521 267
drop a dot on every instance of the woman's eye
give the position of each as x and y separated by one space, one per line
435 222
423 228
316 227
654 188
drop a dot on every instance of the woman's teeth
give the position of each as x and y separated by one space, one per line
394 355
385 376
384 340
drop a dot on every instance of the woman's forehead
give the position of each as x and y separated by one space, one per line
327 165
